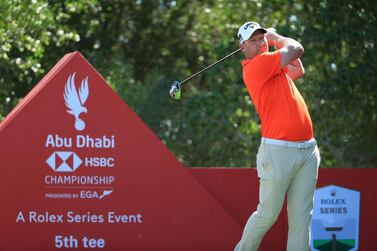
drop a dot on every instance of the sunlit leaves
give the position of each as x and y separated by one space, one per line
141 47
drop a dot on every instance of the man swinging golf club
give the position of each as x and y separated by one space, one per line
288 156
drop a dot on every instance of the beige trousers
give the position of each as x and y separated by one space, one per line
283 170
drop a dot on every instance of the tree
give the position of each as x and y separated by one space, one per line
142 46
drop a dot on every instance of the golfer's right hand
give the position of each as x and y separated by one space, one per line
271 36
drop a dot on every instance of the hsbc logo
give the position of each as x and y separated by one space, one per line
64 161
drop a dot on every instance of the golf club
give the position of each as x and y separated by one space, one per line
176 90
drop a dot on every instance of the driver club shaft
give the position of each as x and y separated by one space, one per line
218 61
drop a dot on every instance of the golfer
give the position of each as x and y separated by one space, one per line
288 156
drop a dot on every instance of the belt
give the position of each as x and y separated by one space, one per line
293 144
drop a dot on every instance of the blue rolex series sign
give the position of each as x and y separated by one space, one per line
335 220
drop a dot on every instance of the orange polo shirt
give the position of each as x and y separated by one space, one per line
279 104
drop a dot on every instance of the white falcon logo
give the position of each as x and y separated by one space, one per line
75 102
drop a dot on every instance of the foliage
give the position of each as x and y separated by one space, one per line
141 47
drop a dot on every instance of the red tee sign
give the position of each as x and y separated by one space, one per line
80 170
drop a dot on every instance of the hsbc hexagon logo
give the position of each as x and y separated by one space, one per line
61 161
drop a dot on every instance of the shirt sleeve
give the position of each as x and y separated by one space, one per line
266 65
